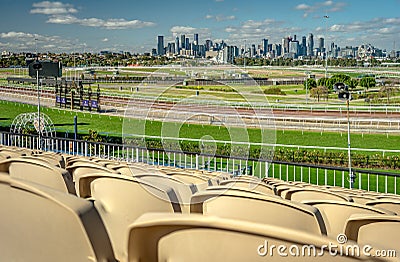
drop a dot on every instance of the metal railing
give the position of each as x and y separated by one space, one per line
370 180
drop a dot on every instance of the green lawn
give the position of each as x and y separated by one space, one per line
112 125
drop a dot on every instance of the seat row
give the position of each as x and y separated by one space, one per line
110 211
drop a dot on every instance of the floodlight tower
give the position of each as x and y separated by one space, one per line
326 17
344 94
38 66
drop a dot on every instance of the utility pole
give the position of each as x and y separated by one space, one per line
326 47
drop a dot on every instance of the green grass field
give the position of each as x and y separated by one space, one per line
112 126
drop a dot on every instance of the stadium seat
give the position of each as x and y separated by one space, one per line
336 213
184 191
257 186
38 171
161 237
41 224
259 208
190 179
387 204
120 201
380 231
304 194
360 199
81 168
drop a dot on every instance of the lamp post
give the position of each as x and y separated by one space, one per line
344 94
326 48
38 66
308 76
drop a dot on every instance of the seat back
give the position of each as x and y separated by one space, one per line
336 213
391 205
160 237
258 208
41 224
379 231
251 185
120 201
305 194
40 172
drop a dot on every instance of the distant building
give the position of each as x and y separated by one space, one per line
177 47
183 42
265 46
310 45
160 45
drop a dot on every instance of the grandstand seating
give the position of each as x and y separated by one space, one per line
58 207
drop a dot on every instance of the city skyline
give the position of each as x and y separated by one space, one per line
73 26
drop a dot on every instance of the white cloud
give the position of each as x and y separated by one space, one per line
320 7
26 42
253 31
105 40
60 13
52 8
220 18
178 30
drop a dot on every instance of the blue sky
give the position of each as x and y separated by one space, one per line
131 25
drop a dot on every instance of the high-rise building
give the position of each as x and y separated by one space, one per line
209 45
177 47
294 49
160 45
285 45
196 39
265 46
187 43
303 46
310 45
321 44
183 41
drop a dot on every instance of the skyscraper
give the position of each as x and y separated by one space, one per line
310 45
321 44
160 45
265 46
183 41
177 47
196 39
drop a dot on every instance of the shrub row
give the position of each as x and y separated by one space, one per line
317 157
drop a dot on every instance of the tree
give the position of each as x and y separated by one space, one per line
367 82
352 83
322 81
320 91
310 83
388 91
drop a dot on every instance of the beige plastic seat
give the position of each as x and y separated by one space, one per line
360 199
80 168
259 208
190 179
41 224
379 231
160 237
121 200
184 191
305 194
336 213
134 170
40 172
387 204
251 185
55 159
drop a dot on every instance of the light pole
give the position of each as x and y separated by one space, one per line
326 48
308 76
38 66
344 94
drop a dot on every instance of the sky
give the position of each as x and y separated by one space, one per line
133 26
